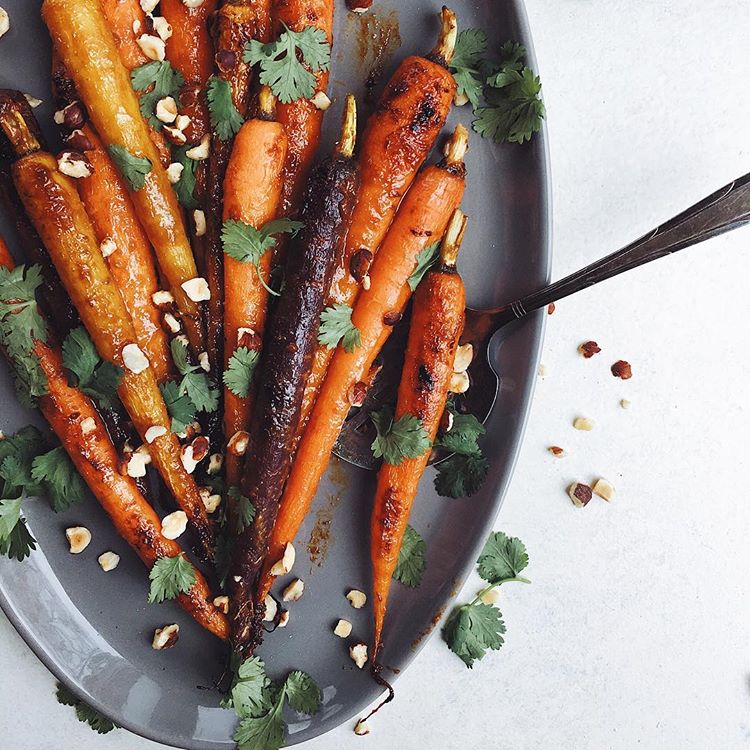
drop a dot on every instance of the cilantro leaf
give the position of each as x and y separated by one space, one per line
399 440
245 509
515 111
463 436
287 65
473 629
426 259
411 559
247 244
195 383
185 186
336 326
98 722
466 65
163 80
170 577
239 374
461 476
302 693
60 477
249 683
10 515
511 60
225 117
96 378
133 168
19 544
179 406
262 732
502 558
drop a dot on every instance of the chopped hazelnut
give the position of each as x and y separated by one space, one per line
201 151
108 561
212 503
237 444
285 565
199 218
588 349
459 382
460 99
321 100
357 598
147 6
293 592
622 369
134 359
343 629
165 637
580 494
464 355
88 425
490 597
174 172
200 446
173 325
604 489
107 247
152 46
166 110
142 450
215 463
33 101
162 298
162 27
542 372
222 604
357 393
366 282
154 432
174 525
188 459
136 466
75 165
358 652
4 22
361 728
271 609
193 3
624 403
175 135
79 141
197 289
79 537
446 421
283 619
556 451
583 423
182 122
203 361
551 308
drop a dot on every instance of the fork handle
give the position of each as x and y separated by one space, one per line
720 212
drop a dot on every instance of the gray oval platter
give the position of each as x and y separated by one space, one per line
93 630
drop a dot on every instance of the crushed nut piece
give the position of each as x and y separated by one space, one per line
147 6
357 393
551 308
358 652
580 494
343 629
285 565
459 99
32 100
459 382
197 289
203 362
237 444
490 597
293 592
271 609
200 446
134 359
162 298
201 151
174 172
624 403
556 451
193 3
321 100
165 637
583 423
4 22
212 503
366 282
215 463
108 561
589 348
464 355
152 46
136 466
357 598
622 369
182 122
361 728
174 525
222 604
166 110
79 537
446 421
542 372
88 425
156 431
107 247
173 325
604 489
199 218
175 135
74 164
283 619
187 458
162 27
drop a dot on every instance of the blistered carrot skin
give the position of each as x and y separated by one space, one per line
397 140
235 25
422 220
289 346
301 119
436 326
252 192
87 49
95 457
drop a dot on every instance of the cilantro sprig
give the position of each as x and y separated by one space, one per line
247 244
288 64
170 577
245 510
400 439
92 375
85 713
336 327
259 703
426 259
133 168
238 376
156 80
513 110
225 117
411 559
185 186
474 628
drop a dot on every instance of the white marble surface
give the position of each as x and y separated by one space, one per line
634 632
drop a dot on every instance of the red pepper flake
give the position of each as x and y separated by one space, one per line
589 348
622 369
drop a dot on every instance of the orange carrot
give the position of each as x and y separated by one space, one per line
421 220
66 409
131 262
252 190
397 140
436 325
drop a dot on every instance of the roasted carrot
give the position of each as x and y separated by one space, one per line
252 191
66 409
421 220
56 211
301 118
436 325
84 42
129 255
398 137
289 346
236 24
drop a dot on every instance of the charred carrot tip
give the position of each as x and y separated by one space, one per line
454 236
457 146
345 146
266 102
446 44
